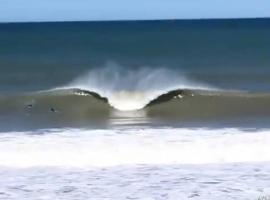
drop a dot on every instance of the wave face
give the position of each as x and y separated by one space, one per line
201 105
76 107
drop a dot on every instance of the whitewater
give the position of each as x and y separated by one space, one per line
135 163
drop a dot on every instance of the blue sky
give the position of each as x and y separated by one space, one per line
72 10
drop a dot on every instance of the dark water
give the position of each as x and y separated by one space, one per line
225 53
130 56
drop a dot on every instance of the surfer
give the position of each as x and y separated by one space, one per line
52 109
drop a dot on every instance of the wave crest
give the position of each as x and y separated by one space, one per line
130 89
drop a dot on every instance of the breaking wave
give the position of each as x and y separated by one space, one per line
111 93
184 104
132 89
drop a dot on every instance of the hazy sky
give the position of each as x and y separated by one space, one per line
65 10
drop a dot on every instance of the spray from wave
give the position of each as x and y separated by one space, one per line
130 89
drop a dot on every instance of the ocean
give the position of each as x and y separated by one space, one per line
156 110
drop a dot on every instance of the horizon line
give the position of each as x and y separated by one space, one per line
136 20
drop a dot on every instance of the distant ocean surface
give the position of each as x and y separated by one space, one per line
176 109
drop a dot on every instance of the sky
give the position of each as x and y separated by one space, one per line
80 10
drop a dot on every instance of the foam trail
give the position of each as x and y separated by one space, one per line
105 148
132 89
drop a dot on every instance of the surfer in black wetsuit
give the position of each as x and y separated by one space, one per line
52 110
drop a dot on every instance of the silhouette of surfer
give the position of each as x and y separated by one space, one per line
30 106
53 110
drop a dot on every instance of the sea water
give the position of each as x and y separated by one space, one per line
135 110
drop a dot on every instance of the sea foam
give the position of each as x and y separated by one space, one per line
106 148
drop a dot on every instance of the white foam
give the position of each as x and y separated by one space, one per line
96 148
133 89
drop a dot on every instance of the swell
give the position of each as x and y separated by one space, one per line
76 104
